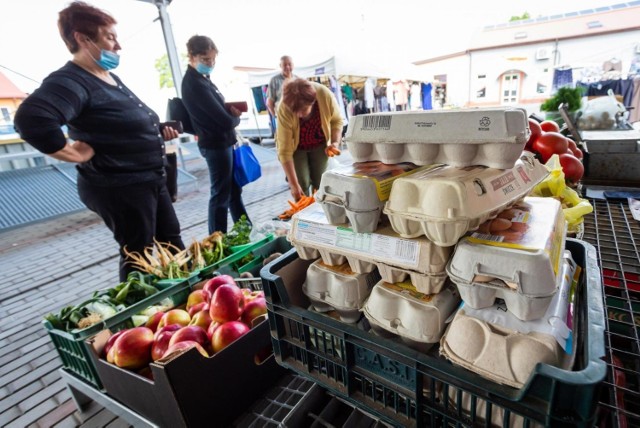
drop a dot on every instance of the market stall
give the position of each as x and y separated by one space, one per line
453 289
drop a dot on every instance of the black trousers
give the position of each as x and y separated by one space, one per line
135 214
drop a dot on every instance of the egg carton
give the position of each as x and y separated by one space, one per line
445 202
518 263
399 310
338 288
396 259
500 347
492 137
356 193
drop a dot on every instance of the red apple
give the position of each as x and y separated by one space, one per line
132 350
212 328
226 334
212 285
161 340
190 333
109 345
195 297
202 306
250 295
252 310
154 320
227 303
175 316
185 345
202 319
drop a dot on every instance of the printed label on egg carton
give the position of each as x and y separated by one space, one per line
489 137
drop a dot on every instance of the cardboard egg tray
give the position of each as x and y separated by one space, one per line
498 346
338 288
519 264
397 259
399 310
490 137
356 193
443 203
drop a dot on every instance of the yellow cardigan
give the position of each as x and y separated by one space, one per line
288 127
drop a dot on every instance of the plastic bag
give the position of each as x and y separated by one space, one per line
600 113
272 227
246 167
573 207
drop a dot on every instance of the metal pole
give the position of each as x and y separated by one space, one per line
172 53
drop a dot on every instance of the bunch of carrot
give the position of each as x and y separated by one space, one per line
302 203
332 151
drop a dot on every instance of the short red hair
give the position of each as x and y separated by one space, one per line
297 94
82 18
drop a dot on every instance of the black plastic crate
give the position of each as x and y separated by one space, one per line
616 236
407 388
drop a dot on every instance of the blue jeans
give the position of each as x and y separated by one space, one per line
225 193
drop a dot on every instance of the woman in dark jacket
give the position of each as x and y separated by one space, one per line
119 145
215 127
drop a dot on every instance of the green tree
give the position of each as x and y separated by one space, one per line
164 71
518 18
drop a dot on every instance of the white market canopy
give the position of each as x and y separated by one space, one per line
344 68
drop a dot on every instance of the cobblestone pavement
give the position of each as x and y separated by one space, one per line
59 262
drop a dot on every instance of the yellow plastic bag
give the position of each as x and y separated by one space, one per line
574 207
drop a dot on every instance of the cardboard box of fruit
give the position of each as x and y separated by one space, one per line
205 361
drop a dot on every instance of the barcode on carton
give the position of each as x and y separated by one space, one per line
374 123
487 237
405 250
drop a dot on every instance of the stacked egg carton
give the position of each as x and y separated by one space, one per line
430 204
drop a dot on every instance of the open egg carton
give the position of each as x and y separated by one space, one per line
519 263
492 137
397 259
356 193
445 202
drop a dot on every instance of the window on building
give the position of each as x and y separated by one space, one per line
541 88
5 114
510 87
482 92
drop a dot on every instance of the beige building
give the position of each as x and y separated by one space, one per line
514 63
10 99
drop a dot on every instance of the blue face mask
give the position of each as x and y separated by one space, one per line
108 60
204 69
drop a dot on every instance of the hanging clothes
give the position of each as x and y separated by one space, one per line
401 94
622 87
337 92
348 92
369 98
634 114
390 97
426 96
415 97
258 98
562 78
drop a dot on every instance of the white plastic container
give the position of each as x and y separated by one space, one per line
497 345
397 259
357 193
492 137
338 288
444 203
418 319
518 263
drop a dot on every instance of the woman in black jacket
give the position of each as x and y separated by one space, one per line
118 141
215 127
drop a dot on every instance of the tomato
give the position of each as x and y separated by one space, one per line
550 143
534 126
573 148
549 126
572 168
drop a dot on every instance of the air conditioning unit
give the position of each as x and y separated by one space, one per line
542 53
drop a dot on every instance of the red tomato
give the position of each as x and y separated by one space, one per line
573 148
549 126
572 168
550 143
534 126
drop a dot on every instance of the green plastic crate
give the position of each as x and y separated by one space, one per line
239 252
408 388
71 345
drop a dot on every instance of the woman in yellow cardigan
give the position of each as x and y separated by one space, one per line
309 122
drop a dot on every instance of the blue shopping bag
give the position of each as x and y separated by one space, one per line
246 167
